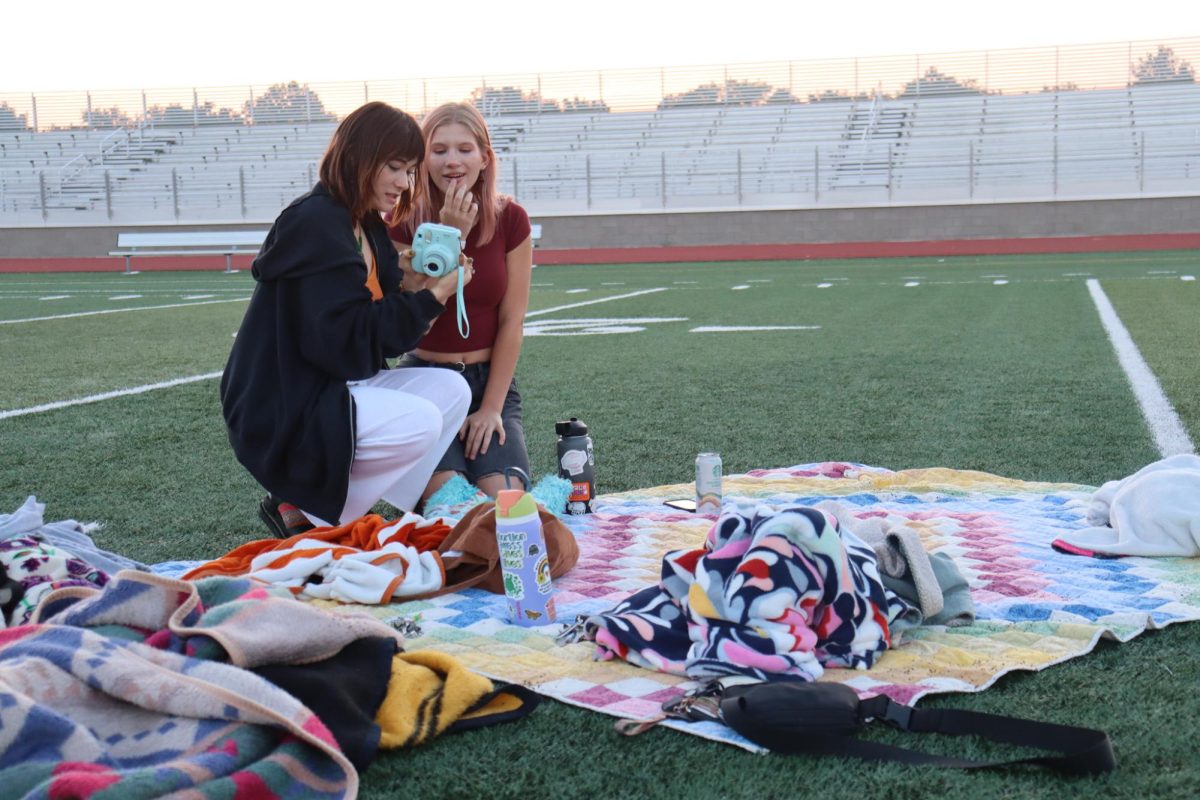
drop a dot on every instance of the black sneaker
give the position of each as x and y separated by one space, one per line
284 519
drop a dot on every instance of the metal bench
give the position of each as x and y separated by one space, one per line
535 233
188 243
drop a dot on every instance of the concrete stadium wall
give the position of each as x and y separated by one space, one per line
878 225
86 242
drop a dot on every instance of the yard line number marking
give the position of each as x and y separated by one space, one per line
1165 425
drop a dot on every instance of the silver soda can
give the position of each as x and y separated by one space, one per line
708 483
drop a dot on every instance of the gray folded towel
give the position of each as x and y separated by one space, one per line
932 582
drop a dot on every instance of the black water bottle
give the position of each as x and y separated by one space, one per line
577 464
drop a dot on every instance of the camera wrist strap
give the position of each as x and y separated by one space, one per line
464 325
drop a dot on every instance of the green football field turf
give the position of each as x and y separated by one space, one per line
998 364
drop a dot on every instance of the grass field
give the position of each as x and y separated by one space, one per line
998 364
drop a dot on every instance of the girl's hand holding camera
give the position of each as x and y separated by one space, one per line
443 287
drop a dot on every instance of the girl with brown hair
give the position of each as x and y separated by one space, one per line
311 409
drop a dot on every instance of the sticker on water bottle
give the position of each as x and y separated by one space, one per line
542 570
573 461
512 548
514 587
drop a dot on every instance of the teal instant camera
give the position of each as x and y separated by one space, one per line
436 249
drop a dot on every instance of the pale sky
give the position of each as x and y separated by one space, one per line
71 45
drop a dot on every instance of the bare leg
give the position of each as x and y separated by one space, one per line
491 484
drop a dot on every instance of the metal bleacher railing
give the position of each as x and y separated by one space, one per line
1070 122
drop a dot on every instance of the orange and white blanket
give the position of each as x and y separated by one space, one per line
370 560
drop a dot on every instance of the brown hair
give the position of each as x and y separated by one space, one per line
484 189
369 137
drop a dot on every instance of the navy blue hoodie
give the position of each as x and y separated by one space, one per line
311 326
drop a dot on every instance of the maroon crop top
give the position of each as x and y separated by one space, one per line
486 289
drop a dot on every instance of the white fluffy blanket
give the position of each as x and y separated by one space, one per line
1153 512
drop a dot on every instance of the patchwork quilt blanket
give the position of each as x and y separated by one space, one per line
1035 607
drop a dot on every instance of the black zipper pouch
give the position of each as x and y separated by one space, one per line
825 718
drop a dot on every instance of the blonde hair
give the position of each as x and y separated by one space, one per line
490 201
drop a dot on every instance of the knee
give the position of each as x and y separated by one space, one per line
415 427
428 433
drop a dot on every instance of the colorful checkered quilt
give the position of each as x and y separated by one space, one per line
1035 607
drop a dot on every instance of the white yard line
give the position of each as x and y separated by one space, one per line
96 398
592 302
744 328
7 293
120 311
1169 434
593 327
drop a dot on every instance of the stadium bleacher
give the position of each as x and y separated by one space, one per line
949 143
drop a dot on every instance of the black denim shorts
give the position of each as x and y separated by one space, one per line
511 454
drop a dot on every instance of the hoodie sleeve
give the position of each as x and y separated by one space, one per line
347 334
321 276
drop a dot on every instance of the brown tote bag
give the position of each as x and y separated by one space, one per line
471 556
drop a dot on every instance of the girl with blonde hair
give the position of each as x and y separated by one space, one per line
460 177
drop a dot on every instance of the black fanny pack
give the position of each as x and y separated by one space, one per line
824 718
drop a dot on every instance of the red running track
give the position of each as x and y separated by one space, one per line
717 252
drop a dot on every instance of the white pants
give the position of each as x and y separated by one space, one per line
405 419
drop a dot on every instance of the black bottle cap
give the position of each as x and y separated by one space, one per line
572 427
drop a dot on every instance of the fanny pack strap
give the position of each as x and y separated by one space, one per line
1081 750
